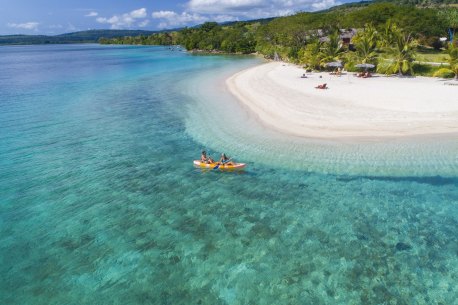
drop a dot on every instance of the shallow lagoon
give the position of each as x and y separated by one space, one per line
100 202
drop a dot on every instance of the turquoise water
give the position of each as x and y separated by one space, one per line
100 203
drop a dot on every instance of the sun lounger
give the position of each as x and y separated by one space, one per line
363 74
322 86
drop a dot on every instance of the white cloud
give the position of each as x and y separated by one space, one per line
92 14
125 20
199 11
256 8
164 14
224 6
173 19
224 18
321 5
143 23
140 13
24 26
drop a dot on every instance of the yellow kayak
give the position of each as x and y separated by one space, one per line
217 165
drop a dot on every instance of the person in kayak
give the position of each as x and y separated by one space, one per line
206 159
225 160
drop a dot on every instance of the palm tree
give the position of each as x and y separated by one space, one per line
332 49
388 34
401 52
366 45
311 55
453 60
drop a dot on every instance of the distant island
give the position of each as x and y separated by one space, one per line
90 36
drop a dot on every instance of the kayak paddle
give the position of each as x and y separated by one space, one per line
220 163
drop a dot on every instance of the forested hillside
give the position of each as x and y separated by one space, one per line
385 35
91 36
287 35
425 2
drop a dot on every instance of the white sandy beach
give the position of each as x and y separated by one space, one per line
352 107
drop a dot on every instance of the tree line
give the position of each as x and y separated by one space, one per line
387 35
237 38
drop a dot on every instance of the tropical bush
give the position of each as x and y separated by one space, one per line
351 59
444 73
311 55
453 61
331 50
365 43
387 36
425 69
400 51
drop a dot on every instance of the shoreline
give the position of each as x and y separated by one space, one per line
372 109
219 122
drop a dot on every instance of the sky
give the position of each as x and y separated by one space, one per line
54 17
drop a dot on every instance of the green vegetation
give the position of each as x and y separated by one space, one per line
425 70
366 45
397 36
91 36
444 73
425 3
400 51
431 55
311 56
388 35
210 37
25 39
155 39
238 38
450 17
453 60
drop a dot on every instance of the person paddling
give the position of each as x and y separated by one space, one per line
225 160
206 159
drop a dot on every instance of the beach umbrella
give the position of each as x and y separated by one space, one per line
365 66
334 64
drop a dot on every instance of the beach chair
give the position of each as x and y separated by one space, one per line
322 86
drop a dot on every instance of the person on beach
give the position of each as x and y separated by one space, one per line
365 74
337 71
225 160
322 86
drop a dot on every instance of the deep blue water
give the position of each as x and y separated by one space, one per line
100 203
